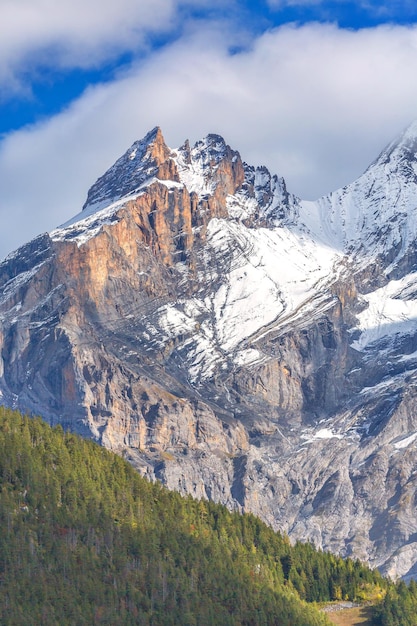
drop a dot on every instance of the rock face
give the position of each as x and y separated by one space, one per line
235 342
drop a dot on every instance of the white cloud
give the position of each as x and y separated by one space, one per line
69 33
316 104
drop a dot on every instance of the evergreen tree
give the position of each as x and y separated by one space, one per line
85 540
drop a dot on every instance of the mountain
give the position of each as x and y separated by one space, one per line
233 341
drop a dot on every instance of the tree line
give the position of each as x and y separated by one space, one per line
84 539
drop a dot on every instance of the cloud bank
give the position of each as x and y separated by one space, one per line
315 103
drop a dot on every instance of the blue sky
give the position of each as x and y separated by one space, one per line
313 89
48 88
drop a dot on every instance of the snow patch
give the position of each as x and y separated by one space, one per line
404 443
323 433
248 357
326 433
387 313
272 272
175 322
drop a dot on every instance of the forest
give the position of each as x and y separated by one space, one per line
84 539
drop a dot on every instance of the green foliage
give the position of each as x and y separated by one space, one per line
85 540
399 607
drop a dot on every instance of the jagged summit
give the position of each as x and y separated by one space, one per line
403 148
235 342
150 158
142 161
210 151
211 148
397 163
344 219
377 213
211 169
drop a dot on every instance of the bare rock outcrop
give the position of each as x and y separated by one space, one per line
234 342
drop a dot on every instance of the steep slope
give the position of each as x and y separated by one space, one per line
375 214
85 540
233 341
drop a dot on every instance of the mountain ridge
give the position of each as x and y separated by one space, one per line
233 341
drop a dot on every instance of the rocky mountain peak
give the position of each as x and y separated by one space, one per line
400 154
234 342
210 165
375 214
147 158
409 136
212 150
156 148
224 185
408 139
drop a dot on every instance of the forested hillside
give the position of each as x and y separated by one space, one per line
85 540
399 607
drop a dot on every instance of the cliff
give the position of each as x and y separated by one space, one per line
235 342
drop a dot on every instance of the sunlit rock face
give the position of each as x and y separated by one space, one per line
233 341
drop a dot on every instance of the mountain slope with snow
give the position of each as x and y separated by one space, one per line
233 341
257 290
376 213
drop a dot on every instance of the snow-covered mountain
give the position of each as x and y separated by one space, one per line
234 341
376 213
